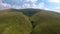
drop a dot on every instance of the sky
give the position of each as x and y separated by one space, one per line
53 5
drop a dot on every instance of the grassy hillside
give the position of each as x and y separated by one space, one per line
46 22
29 21
14 23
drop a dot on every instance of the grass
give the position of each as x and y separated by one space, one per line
14 23
31 21
46 22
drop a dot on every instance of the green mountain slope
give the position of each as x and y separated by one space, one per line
46 22
14 23
29 21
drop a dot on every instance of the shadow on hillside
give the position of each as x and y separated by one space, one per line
33 26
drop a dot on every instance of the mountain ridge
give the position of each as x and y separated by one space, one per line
27 11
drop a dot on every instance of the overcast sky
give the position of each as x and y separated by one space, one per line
41 4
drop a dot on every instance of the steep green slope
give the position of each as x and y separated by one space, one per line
14 23
46 22
29 21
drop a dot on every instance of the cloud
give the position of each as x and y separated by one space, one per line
26 6
4 5
39 6
56 9
16 7
53 1
33 1
29 4
16 1
0 1
32 4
